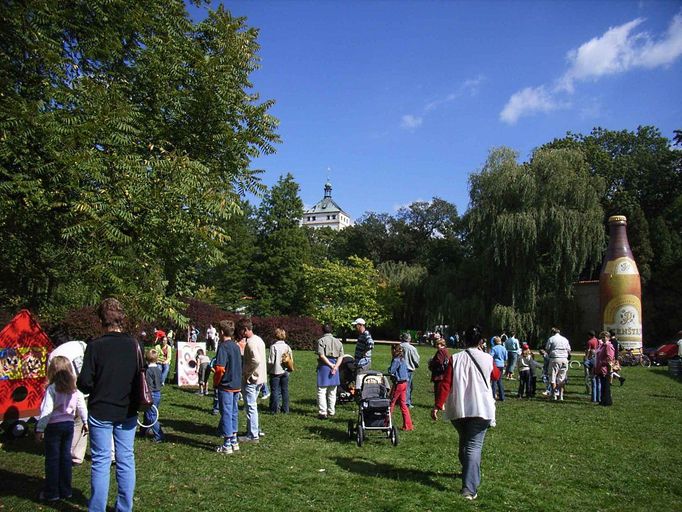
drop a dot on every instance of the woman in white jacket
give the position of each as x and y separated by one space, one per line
465 397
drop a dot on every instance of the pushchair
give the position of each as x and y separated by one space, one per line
345 392
374 408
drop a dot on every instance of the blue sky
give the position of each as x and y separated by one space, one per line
404 100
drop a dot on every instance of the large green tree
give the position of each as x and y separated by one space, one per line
277 277
533 227
339 292
126 136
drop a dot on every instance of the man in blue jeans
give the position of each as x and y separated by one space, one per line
254 375
110 368
412 360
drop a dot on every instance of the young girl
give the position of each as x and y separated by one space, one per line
398 370
57 412
526 364
204 364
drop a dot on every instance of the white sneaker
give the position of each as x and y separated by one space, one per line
224 448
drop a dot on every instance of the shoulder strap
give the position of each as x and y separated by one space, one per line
478 367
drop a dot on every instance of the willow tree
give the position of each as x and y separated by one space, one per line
533 227
126 137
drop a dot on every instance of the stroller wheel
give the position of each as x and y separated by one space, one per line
394 436
360 435
350 430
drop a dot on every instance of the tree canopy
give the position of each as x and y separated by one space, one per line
533 228
126 136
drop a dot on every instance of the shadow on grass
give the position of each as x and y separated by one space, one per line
28 487
337 435
207 408
400 474
178 427
24 444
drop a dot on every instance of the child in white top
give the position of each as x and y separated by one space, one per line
60 405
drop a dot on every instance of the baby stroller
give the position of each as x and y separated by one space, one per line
374 408
345 392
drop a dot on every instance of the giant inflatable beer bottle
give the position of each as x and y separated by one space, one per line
620 289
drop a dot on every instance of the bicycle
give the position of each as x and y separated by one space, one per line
631 359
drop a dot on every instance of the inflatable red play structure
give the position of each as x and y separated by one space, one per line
24 347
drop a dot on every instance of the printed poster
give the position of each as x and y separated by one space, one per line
188 372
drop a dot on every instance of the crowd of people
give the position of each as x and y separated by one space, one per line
107 371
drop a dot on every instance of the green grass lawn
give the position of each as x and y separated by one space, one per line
542 456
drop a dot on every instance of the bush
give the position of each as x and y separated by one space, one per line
302 331
83 324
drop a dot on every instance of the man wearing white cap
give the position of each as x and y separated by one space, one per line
364 345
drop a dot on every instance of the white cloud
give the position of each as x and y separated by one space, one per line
527 102
618 50
410 122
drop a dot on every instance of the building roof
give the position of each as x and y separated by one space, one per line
326 204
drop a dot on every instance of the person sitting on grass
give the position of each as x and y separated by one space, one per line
398 371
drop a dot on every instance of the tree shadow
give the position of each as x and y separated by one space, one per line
336 435
374 469
28 487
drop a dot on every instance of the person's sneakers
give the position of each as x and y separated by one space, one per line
321 416
621 379
235 446
468 496
215 412
247 439
224 448
265 396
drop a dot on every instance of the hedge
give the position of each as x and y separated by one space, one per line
83 324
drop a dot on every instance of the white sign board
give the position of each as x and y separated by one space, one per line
187 363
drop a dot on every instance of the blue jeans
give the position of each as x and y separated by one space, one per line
410 374
165 370
229 413
471 435
511 361
58 437
264 390
100 449
596 389
150 416
499 385
280 386
251 392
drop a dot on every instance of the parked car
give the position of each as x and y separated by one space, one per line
659 356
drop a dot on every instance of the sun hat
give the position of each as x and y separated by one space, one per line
358 321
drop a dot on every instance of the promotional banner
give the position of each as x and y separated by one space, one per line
187 362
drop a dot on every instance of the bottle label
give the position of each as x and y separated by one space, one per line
621 267
623 315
